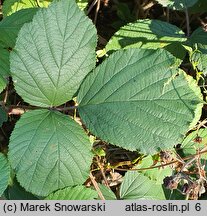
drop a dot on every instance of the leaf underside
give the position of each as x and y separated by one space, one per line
137 100
53 54
49 151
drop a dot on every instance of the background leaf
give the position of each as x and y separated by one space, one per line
135 100
2 83
53 54
198 36
49 151
74 193
10 26
4 68
189 145
199 58
107 193
199 7
198 40
156 174
16 192
177 4
3 116
150 34
4 173
11 6
82 4
137 186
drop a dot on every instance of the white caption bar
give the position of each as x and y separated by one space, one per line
121 208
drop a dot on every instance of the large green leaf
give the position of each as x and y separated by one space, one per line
135 100
177 4
137 186
11 6
10 26
49 151
4 68
53 54
4 173
152 34
74 193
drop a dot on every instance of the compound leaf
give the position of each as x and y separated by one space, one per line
49 151
10 26
136 99
53 54
74 193
4 173
177 4
137 186
151 34
11 6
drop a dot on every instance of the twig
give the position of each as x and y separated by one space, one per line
147 6
187 22
168 14
6 95
102 172
95 184
20 109
97 9
163 165
65 108
38 3
91 6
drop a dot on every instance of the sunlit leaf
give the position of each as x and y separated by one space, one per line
136 99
